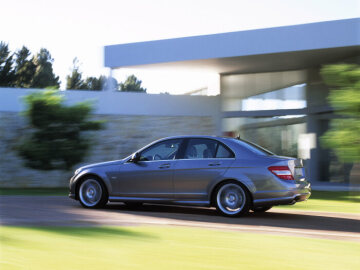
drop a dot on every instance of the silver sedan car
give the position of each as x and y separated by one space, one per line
231 174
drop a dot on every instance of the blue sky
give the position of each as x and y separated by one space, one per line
80 28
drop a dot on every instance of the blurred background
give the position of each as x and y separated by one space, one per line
151 70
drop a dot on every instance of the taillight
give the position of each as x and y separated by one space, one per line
283 172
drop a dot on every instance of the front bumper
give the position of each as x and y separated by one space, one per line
72 194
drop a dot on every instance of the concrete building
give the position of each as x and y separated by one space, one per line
270 87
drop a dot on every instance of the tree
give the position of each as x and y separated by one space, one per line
58 141
344 97
132 84
7 74
44 75
36 72
24 69
75 81
93 83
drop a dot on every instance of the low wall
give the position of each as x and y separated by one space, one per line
123 103
125 130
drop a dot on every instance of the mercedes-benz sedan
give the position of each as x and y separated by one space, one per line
231 174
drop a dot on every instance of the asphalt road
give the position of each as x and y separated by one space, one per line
62 211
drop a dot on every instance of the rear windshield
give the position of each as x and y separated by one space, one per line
253 147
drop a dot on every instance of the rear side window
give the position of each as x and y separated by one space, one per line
223 152
253 147
206 148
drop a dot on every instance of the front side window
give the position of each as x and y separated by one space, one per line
206 148
165 150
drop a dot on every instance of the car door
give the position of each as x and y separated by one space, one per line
152 175
204 161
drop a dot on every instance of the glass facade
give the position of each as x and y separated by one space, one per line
284 131
281 139
292 97
287 135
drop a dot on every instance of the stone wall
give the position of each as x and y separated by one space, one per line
123 134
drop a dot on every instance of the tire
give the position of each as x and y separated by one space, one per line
133 205
232 200
92 193
261 209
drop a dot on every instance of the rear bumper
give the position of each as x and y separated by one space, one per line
72 196
299 194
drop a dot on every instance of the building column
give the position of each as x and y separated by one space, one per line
316 95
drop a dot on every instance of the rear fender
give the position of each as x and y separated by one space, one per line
241 178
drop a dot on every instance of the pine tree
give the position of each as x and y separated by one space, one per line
7 73
44 75
25 68
93 83
75 81
132 84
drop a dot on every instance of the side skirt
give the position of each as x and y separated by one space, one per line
158 201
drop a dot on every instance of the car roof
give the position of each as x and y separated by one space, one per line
223 139
194 136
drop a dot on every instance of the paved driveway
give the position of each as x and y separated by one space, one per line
62 211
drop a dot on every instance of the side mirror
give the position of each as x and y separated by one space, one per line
135 157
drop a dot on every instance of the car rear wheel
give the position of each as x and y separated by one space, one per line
232 199
261 209
92 193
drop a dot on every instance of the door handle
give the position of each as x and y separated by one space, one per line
215 164
164 166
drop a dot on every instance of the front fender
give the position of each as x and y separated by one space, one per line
75 180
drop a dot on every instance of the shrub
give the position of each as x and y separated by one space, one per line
58 140
344 134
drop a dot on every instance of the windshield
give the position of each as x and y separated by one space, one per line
253 147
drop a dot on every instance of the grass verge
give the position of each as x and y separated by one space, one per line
167 248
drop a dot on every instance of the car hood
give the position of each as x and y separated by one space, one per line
102 164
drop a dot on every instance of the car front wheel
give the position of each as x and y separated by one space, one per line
92 193
232 199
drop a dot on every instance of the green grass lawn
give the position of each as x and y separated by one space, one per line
329 201
167 248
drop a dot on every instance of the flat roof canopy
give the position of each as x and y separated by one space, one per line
251 51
